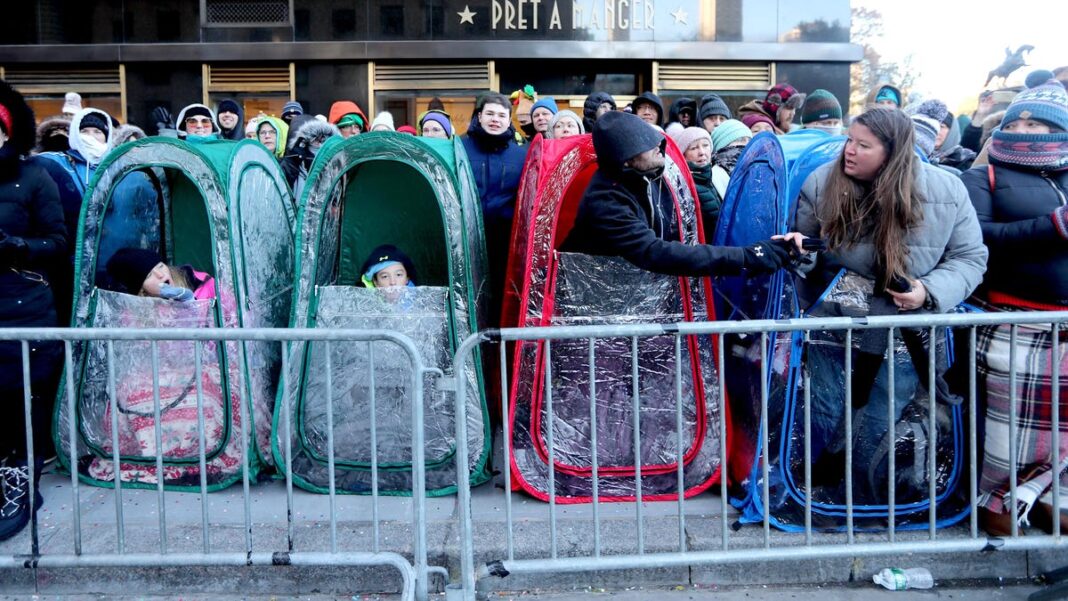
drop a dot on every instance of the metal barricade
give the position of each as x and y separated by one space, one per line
279 549
729 547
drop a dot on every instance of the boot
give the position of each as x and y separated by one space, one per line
1042 516
995 524
15 492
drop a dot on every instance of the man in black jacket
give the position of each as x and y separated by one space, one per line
628 211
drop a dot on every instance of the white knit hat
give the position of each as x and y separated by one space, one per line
384 118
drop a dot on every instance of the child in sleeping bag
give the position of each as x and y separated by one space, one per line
142 272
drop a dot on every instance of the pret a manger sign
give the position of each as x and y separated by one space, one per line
603 15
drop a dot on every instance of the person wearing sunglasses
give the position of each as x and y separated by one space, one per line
196 123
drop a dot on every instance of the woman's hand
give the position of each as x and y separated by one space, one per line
797 238
913 299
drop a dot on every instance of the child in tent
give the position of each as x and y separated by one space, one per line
143 273
388 267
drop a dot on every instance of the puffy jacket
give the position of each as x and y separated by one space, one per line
711 201
1028 258
946 251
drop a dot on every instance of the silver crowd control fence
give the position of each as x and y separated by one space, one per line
284 533
590 552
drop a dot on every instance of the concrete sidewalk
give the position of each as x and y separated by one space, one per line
356 532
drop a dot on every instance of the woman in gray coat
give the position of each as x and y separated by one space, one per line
907 237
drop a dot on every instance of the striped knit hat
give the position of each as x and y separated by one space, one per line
1045 100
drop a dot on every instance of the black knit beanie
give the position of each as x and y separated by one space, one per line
129 267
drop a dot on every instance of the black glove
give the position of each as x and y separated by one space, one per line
13 250
161 116
767 256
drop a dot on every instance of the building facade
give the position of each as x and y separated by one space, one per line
129 56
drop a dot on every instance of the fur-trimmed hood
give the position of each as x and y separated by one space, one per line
311 129
52 134
123 133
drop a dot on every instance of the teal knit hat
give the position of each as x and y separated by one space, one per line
727 132
820 105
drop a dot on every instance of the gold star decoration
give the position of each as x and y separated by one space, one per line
467 15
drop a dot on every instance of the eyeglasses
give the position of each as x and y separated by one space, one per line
197 121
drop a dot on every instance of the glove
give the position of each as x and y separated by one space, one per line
13 250
1060 220
161 116
175 293
767 256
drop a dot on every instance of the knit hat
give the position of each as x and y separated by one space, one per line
888 93
750 119
72 103
927 122
711 105
292 108
383 256
385 118
820 105
406 129
619 136
96 120
688 136
566 114
438 117
782 94
229 106
1044 100
252 125
728 132
547 102
351 119
129 267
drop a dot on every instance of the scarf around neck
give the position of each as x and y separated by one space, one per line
1046 152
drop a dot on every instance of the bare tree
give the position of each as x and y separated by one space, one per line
866 29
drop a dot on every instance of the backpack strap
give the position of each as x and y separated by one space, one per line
990 176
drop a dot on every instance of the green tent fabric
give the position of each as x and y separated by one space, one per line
417 194
225 209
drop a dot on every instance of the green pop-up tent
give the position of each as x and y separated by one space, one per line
223 208
418 195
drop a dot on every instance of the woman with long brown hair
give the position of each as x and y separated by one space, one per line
903 235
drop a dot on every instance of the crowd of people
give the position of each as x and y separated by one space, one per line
984 216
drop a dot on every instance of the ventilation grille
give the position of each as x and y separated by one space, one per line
83 81
706 77
432 77
246 12
245 79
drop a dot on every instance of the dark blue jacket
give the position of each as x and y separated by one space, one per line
496 162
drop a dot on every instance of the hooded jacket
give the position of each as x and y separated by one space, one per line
631 215
870 101
282 134
306 135
345 107
238 132
951 154
180 121
52 134
654 100
590 106
1028 257
682 104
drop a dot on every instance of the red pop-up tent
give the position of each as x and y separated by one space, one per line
547 287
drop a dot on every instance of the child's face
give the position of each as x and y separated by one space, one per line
393 276
160 275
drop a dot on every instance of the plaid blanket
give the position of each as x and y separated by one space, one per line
1034 414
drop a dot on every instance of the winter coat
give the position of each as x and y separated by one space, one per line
1028 257
30 209
344 107
134 197
628 215
710 199
238 132
52 134
589 107
946 251
496 162
678 106
304 132
281 134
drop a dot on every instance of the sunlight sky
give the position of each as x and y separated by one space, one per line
955 43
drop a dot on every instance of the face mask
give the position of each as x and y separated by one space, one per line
834 130
92 149
197 139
